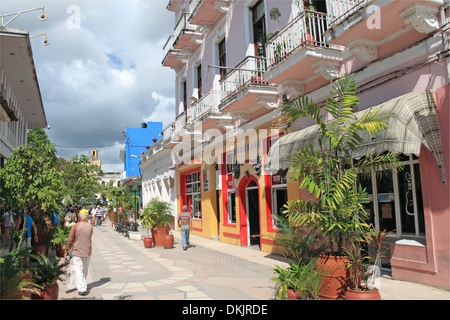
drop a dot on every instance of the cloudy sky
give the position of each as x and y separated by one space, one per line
101 72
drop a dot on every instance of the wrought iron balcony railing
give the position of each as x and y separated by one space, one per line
307 29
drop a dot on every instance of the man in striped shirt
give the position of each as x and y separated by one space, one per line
99 215
184 222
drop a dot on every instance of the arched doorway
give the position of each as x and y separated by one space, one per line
249 211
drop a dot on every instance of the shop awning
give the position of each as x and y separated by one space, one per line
413 121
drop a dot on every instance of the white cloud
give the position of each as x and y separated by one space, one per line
104 76
163 111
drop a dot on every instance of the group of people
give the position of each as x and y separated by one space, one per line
78 248
11 223
96 215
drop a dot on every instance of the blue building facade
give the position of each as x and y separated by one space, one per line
136 142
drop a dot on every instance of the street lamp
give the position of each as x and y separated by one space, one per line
135 208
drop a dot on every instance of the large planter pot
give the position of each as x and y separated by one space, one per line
148 241
168 241
20 294
49 292
362 295
39 248
293 295
335 283
158 236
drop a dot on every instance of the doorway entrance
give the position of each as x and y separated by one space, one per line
253 222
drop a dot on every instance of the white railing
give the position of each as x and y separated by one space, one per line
193 5
167 46
168 131
183 24
180 123
339 10
306 29
204 105
248 72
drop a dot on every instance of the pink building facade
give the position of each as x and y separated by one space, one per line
236 60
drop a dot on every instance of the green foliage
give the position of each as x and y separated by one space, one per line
46 271
156 214
362 261
328 172
81 180
12 280
120 197
298 277
300 246
59 236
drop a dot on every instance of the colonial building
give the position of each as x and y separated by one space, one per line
21 106
158 179
236 61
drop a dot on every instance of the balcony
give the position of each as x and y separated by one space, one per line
186 35
245 91
168 140
173 58
206 11
174 5
173 133
299 51
378 28
204 114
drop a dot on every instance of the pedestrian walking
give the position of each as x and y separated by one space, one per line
71 219
80 245
184 222
85 211
30 225
99 216
7 218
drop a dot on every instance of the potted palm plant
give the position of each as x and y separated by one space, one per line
326 171
363 264
147 223
157 217
46 274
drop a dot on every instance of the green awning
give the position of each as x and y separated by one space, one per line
413 121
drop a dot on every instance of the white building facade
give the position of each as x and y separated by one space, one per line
21 106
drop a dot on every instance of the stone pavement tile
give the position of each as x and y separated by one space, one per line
171 296
197 295
133 285
187 288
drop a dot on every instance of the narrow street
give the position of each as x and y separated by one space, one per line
122 269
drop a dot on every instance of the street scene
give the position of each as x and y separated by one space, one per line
225 150
123 269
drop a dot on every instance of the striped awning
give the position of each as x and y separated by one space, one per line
413 121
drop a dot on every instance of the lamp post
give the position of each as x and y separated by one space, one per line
135 210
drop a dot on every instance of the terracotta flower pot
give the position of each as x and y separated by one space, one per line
362 294
335 283
49 292
168 241
148 241
293 295
158 236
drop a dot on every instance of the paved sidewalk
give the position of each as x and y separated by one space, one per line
123 269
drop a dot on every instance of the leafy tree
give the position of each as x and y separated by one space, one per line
328 172
30 180
80 180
